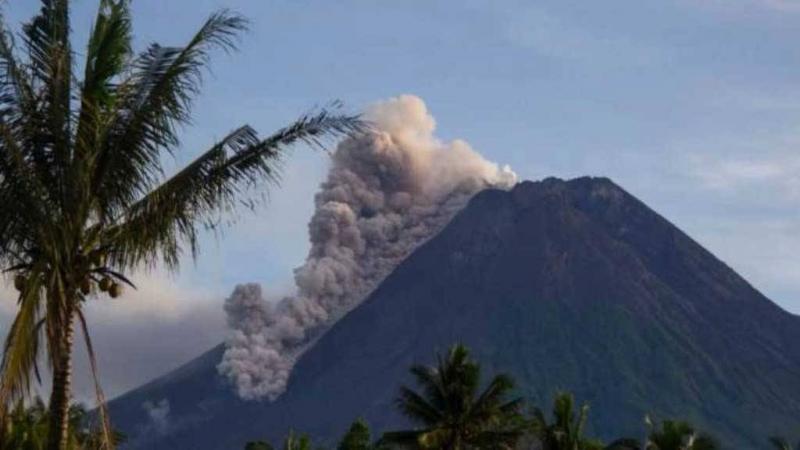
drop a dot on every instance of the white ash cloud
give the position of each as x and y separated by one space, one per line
158 413
386 193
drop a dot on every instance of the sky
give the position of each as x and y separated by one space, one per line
693 106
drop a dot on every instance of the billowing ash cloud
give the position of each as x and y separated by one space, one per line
386 193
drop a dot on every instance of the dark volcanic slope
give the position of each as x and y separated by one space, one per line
567 285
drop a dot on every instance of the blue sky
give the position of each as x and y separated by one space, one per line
691 105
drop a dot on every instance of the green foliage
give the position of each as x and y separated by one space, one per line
26 428
678 435
84 196
781 443
451 411
357 437
453 415
566 432
296 442
257 445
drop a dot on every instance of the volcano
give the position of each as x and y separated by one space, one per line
565 285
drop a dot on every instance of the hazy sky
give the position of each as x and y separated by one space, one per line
691 105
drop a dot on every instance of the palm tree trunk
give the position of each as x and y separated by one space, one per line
58 434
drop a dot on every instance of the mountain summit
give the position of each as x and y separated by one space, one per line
566 285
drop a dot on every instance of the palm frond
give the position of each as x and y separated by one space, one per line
583 417
24 199
46 38
22 345
495 392
23 117
154 101
107 54
453 413
437 438
497 439
780 443
403 439
109 48
15 87
157 225
417 408
105 424
429 379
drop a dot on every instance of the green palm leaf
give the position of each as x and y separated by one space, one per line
452 410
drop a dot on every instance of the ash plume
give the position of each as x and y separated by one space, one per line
386 193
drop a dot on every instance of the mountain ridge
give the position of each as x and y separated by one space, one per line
566 285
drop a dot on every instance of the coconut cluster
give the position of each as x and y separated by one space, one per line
94 275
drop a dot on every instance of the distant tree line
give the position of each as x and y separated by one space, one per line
450 411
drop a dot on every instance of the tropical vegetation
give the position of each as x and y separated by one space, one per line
567 430
26 428
357 437
678 435
85 197
780 443
453 410
668 435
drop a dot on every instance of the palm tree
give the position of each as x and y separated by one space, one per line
674 435
84 198
295 442
356 438
678 435
566 432
451 411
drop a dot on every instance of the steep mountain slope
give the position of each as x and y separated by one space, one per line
566 285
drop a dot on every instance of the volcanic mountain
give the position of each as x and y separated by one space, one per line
566 285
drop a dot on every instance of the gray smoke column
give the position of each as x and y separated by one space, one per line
386 193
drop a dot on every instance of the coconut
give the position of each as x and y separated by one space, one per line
19 282
86 286
105 284
115 290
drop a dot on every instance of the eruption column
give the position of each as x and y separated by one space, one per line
386 193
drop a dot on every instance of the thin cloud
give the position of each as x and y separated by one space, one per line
780 5
751 167
557 37
743 6
779 174
141 335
